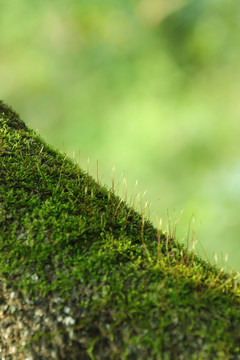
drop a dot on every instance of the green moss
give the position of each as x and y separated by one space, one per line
141 293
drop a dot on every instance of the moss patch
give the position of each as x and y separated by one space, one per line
85 276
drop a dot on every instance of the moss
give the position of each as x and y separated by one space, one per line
11 116
86 276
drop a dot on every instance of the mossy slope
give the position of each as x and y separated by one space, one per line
84 276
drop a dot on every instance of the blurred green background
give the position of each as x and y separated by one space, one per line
148 87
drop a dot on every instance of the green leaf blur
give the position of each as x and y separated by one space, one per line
149 87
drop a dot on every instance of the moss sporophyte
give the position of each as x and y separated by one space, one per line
84 275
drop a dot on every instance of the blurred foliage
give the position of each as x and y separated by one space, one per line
149 86
203 35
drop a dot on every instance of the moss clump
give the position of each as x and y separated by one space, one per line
85 276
